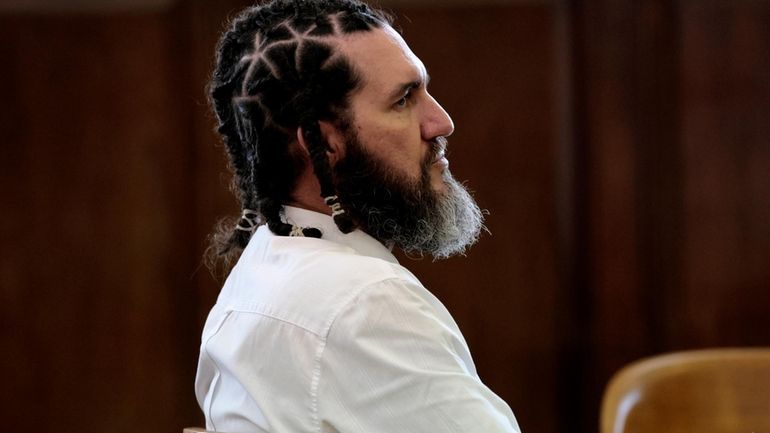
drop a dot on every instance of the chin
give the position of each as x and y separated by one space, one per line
438 180
439 186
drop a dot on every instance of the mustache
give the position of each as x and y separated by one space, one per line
438 147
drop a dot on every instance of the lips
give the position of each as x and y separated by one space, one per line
438 146
439 156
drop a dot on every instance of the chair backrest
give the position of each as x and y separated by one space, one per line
705 391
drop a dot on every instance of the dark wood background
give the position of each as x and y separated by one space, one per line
622 148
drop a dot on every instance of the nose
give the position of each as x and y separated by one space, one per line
436 121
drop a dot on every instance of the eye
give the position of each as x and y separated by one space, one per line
404 101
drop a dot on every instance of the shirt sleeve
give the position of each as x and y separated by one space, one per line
395 361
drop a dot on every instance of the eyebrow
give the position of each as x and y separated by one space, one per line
402 89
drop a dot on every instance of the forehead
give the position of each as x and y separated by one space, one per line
383 60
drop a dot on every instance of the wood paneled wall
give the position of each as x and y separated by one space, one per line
621 148
98 325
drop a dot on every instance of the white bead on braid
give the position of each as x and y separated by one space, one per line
249 221
333 202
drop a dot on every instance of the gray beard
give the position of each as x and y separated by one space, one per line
410 215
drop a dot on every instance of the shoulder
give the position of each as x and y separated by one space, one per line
335 280
394 308
331 269
306 281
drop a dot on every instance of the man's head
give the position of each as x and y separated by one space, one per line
329 88
393 176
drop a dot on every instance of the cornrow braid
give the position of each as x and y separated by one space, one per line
323 171
276 71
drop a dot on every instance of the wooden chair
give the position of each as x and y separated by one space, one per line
705 391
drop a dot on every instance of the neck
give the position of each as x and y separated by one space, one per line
315 207
307 194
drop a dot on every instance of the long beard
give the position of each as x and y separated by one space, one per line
410 215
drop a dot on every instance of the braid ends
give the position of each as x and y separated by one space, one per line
341 217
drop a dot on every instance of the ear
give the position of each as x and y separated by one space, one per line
334 138
302 143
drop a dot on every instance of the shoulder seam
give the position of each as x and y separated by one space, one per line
277 318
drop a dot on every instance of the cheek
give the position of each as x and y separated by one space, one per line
395 140
404 150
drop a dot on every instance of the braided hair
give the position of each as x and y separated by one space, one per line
277 71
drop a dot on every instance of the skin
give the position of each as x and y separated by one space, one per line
396 119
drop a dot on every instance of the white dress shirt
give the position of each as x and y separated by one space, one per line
333 335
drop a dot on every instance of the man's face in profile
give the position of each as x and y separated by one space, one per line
394 177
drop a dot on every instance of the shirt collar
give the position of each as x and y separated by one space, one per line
358 240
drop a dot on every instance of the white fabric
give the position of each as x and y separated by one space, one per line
333 335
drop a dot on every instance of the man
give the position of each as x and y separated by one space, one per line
338 154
